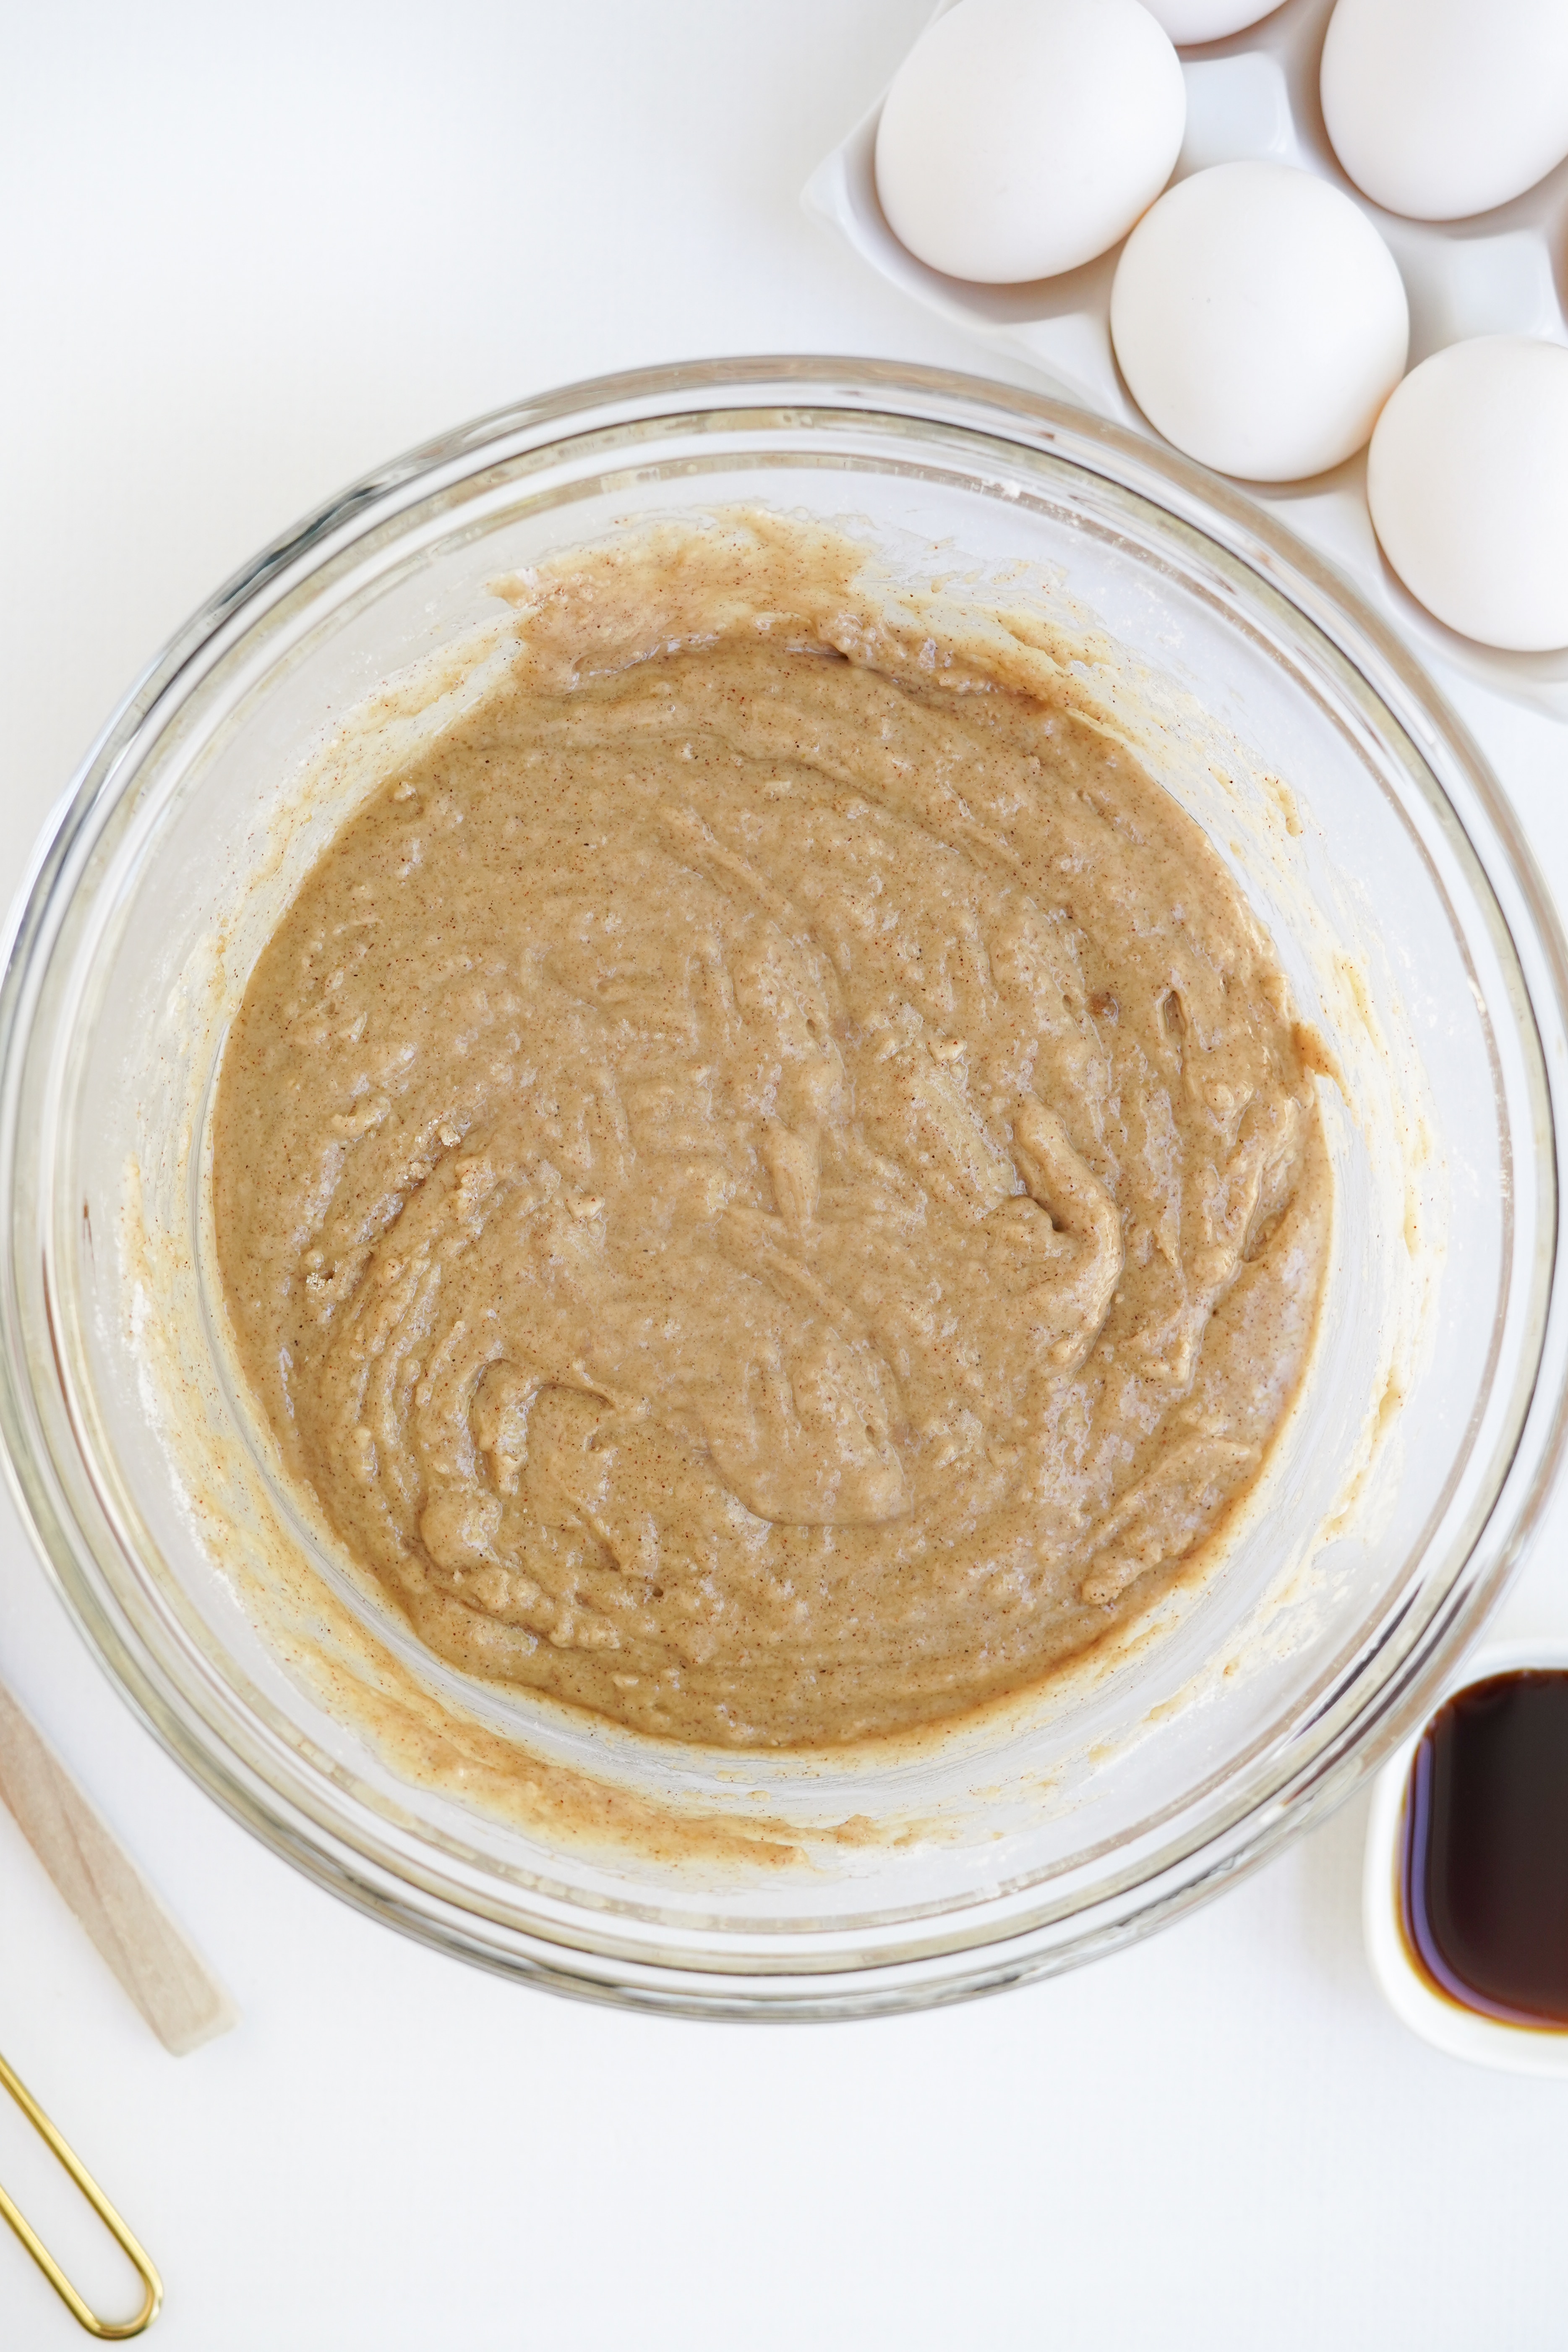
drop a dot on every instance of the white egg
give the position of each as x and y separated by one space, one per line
1260 321
1022 137
1467 482
1439 108
1190 21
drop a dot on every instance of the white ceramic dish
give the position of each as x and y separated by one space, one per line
1409 1993
1255 96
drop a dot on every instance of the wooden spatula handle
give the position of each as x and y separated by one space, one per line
177 1994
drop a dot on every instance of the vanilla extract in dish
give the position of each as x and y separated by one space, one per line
1485 1892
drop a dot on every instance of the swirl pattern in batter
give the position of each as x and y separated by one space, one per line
768 1188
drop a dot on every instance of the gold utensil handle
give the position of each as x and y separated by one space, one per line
106 2330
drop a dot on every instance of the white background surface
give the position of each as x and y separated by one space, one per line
247 254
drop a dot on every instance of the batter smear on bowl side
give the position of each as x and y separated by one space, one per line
767 1184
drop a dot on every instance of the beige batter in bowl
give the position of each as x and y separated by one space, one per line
1363 831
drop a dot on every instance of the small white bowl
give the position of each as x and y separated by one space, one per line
1409 1991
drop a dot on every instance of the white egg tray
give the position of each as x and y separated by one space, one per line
1255 97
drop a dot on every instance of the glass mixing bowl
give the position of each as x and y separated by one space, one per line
1365 830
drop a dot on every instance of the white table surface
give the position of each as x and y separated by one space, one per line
246 254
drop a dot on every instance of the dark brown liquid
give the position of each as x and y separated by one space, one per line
1486 1849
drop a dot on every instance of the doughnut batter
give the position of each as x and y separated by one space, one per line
767 1185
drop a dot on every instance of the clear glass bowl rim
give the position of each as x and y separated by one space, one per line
300 1824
